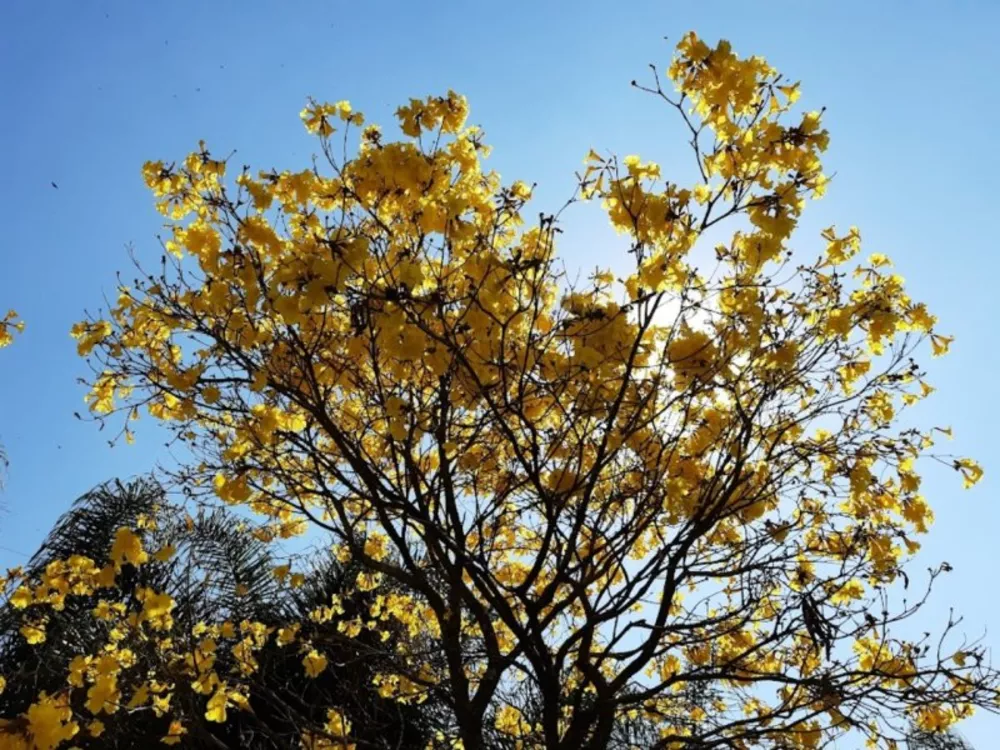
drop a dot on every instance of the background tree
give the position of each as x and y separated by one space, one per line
593 497
950 740
215 573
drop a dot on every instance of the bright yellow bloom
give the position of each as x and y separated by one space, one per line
127 548
9 324
314 663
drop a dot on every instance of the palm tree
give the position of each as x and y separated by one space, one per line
219 572
950 740
86 529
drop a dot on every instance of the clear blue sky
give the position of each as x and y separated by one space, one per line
90 90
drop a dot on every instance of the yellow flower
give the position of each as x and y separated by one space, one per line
316 119
7 324
102 393
50 721
216 707
174 733
164 553
89 335
510 721
941 344
34 633
127 548
104 694
314 663
287 635
971 471
156 608
21 598
336 724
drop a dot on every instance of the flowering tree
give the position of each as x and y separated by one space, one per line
678 496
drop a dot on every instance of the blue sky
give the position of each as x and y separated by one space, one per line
89 91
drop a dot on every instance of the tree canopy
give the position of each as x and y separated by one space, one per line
678 498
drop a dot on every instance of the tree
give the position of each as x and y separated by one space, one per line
209 570
595 497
